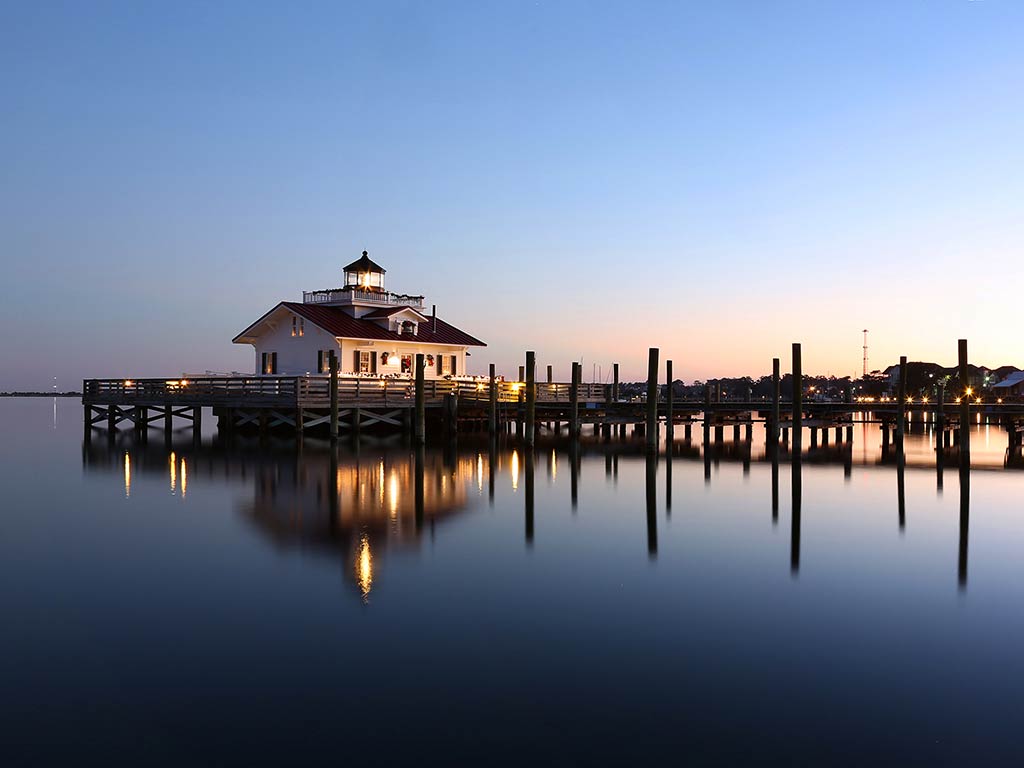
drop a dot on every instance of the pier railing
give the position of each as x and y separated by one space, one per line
313 391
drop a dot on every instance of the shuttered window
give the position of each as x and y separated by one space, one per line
268 362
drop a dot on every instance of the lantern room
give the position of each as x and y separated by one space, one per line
365 274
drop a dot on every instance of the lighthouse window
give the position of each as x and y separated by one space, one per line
295 326
446 365
298 326
302 327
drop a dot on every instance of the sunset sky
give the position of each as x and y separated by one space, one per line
718 179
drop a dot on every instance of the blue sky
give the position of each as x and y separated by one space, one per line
584 179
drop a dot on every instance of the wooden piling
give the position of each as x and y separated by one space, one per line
652 398
574 402
669 419
419 423
776 387
901 409
965 405
332 366
492 405
615 382
550 374
798 399
531 396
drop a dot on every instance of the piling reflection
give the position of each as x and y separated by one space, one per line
652 504
965 521
797 499
775 485
528 500
901 501
360 504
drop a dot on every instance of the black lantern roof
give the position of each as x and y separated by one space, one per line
365 264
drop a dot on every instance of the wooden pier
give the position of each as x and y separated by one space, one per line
338 406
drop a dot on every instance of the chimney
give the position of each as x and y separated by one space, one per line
433 318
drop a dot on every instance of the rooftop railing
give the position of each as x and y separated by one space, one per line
357 295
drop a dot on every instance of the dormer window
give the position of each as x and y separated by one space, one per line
407 328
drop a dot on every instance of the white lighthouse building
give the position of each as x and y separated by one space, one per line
373 332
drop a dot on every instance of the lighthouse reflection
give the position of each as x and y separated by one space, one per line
358 507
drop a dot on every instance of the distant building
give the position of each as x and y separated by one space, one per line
372 331
1011 386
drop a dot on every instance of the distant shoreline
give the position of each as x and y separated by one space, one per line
40 394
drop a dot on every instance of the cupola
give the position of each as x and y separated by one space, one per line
365 274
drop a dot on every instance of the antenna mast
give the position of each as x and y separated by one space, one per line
865 353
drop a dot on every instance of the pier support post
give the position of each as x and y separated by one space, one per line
550 374
776 383
111 418
798 399
531 396
901 408
669 401
965 405
615 382
492 403
574 402
652 398
332 366
940 415
419 422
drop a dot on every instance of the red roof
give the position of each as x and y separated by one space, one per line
377 314
337 322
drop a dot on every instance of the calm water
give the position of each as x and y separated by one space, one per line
228 604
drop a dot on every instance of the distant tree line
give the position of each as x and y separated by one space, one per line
923 379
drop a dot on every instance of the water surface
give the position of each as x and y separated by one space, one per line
237 603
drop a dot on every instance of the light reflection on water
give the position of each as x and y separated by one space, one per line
732 595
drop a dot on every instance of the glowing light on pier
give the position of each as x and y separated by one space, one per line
364 568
